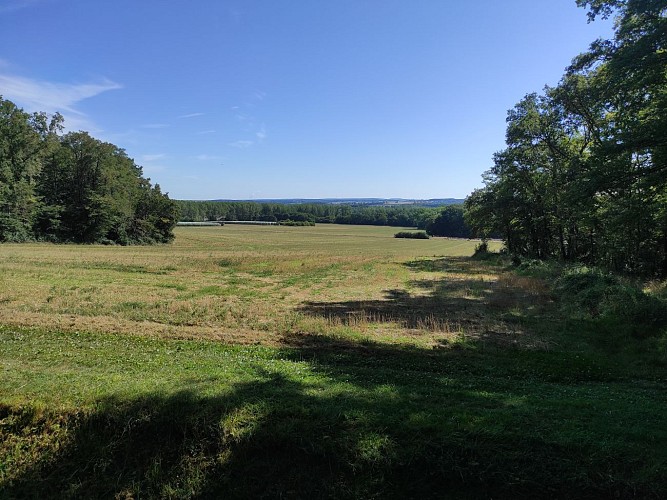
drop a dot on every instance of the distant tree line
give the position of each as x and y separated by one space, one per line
584 173
73 187
444 221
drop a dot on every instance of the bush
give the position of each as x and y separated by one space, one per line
416 235
584 290
296 223
482 248
545 269
595 294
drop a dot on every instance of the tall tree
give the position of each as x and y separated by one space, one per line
20 164
584 174
73 187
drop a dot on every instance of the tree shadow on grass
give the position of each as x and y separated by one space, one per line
467 265
366 421
484 305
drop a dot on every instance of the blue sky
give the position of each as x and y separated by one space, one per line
246 99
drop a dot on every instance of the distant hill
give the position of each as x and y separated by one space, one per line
369 202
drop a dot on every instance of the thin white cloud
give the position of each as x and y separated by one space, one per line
39 95
191 115
203 132
261 133
52 97
14 5
153 157
241 144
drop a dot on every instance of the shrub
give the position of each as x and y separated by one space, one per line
482 248
593 293
296 223
417 235
537 268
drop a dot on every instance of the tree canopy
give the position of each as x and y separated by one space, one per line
584 173
73 187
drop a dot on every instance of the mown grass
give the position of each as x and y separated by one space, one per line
398 372
234 283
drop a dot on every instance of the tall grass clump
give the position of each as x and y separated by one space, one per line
537 268
593 293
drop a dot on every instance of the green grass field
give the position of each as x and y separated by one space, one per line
333 361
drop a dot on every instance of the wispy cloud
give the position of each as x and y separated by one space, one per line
241 144
191 115
153 157
261 133
14 5
203 132
51 97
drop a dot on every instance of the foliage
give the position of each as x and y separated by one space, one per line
447 221
482 249
73 187
20 164
297 223
596 294
583 177
415 235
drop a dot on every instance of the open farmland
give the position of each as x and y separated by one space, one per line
334 361
242 284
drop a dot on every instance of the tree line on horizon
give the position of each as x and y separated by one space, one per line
584 174
442 221
74 188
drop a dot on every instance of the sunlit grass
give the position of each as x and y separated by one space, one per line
233 281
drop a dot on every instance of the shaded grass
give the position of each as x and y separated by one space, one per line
321 417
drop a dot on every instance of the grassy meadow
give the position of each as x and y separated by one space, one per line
327 361
242 284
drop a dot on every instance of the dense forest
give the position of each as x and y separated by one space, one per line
72 187
584 173
443 221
